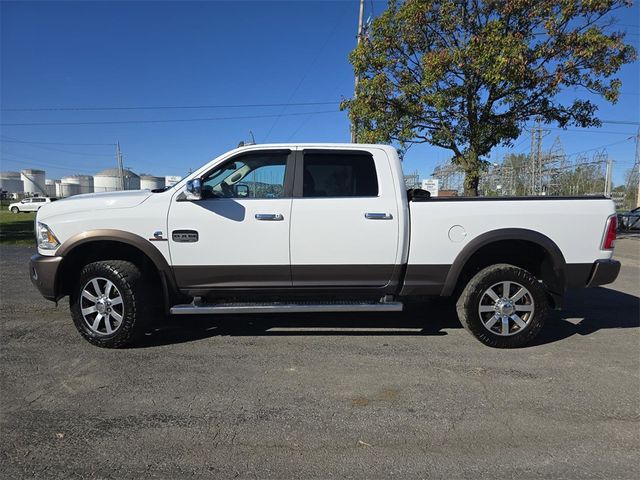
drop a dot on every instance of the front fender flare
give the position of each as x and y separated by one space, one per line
121 236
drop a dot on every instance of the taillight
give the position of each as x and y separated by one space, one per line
609 240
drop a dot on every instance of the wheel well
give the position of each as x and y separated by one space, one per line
525 254
99 250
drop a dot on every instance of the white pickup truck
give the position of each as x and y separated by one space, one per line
320 228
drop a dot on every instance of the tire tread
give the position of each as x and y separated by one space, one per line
466 305
136 297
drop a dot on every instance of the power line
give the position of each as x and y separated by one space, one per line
599 147
295 90
210 119
165 107
29 142
607 122
620 122
610 132
45 164
42 147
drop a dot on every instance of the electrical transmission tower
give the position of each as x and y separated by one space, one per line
536 161
552 165
412 180
450 175
633 183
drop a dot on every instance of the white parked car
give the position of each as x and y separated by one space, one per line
316 228
30 204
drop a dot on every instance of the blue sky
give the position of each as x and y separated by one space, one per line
123 54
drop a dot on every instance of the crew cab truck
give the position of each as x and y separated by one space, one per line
321 228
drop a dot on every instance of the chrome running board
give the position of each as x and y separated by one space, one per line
282 307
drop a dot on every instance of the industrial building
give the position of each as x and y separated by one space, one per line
33 183
109 180
150 182
11 182
75 185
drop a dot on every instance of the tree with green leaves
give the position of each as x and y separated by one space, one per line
466 75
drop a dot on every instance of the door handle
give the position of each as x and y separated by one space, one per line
378 216
269 216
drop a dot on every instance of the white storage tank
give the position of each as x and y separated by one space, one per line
33 181
109 180
50 187
58 185
150 182
76 184
171 180
11 182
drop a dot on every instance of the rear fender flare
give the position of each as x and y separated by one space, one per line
557 258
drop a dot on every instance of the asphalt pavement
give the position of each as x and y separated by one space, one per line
408 395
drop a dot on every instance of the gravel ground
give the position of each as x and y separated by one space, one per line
322 396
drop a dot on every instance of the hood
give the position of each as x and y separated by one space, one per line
94 201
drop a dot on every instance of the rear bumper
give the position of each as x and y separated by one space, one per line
603 272
43 272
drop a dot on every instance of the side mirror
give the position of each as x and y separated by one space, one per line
194 189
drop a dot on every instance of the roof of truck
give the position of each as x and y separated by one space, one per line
316 145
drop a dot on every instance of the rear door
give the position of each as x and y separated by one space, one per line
344 219
237 235
37 203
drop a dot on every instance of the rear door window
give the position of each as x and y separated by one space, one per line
335 174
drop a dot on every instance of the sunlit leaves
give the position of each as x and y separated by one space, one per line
466 75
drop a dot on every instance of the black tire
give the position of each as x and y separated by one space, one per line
135 299
474 296
15 210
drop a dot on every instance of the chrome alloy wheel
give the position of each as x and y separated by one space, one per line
506 308
101 306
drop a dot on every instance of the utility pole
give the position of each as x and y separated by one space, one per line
120 166
608 178
637 166
354 128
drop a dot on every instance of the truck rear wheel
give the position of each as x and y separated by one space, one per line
110 304
503 306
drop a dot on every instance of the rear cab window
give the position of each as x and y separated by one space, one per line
339 174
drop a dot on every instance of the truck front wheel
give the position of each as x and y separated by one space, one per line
110 304
503 306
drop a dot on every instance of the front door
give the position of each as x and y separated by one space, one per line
237 235
27 205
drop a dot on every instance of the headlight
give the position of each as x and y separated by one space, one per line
45 237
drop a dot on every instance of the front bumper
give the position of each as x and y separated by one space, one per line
43 272
603 272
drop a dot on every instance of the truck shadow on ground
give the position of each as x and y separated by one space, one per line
585 312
